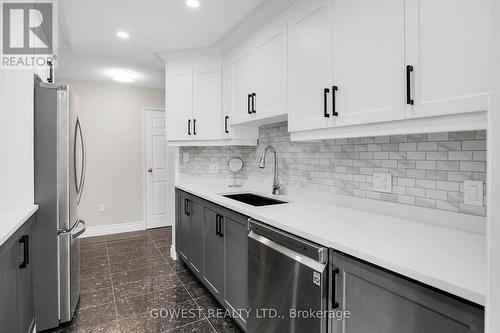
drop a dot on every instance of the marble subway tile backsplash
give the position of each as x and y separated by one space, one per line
428 169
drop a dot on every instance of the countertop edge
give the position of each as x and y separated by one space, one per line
19 222
440 284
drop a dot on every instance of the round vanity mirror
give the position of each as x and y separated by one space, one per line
234 165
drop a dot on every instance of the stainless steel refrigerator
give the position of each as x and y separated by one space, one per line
60 167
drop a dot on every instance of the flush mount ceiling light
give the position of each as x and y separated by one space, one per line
122 35
122 76
193 3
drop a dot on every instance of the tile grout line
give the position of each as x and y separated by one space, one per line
112 286
183 285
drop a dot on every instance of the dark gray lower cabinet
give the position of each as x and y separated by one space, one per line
196 214
212 240
236 293
214 251
183 226
16 282
381 302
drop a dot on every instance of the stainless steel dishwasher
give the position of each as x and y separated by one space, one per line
287 282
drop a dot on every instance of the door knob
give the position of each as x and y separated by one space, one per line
150 170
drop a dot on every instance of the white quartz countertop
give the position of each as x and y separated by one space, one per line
9 223
447 259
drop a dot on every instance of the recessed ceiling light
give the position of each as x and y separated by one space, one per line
193 3
122 34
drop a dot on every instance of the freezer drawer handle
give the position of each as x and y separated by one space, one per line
73 228
78 233
26 251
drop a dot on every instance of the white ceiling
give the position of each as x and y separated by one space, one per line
90 48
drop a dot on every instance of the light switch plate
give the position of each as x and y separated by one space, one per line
100 208
382 182
473 192
213 168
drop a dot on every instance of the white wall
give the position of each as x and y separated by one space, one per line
493 295
16 143
113 121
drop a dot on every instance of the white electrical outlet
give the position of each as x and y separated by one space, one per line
213 168
382 182
473 192
100 208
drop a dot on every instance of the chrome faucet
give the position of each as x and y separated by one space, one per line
262 165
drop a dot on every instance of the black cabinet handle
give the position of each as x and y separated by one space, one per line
254 95
325 102
221 218
26 251
194 126
189 126
50 79
217 226
335 304
186 207
249 103
334 89
409 70
226 124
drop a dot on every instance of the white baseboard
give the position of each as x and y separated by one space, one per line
101 230
173 253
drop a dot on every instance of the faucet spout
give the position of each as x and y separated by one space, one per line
262 165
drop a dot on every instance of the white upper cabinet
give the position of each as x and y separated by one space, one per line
259 75
193 100
179 102
448 45
310 56
242 86
271 71
369 61
208 99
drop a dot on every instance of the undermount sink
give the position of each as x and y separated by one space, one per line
254 199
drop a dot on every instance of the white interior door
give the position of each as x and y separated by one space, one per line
156 170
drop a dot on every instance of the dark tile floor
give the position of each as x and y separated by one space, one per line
126 276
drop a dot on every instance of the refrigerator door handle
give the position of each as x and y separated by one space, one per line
80 183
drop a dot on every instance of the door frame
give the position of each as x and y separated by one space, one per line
145 111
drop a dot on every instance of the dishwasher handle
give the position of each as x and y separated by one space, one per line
301 246
309 262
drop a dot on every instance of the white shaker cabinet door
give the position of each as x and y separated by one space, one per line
271 71
448 45
179 106
310 64
207 108
242 86
369 60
